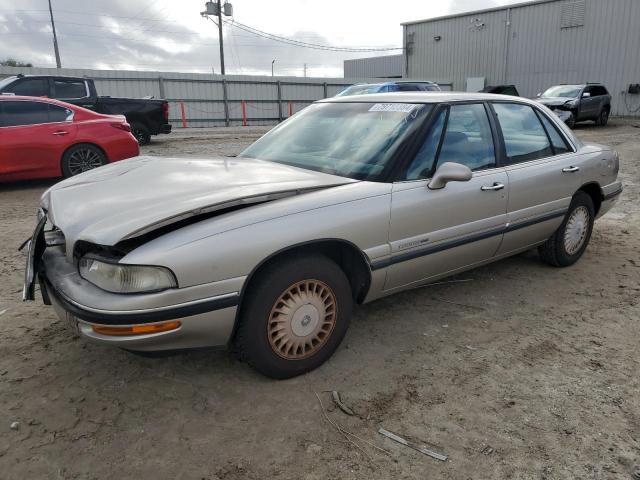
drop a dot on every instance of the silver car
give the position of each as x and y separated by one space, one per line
350 200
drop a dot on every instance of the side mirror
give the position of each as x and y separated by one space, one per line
586 95
449 172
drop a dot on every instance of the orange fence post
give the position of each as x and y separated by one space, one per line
184 116
290 108
244 113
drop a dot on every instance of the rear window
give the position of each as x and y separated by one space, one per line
69 89
15 114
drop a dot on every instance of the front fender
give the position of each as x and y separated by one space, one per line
204 252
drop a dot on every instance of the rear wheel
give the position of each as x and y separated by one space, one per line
569 242
141 133
82 158
296 314
603 118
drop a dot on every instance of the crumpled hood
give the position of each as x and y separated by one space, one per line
555 101
132 197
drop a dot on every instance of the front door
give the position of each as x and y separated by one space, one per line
436 232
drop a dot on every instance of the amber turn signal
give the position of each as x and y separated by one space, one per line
136 329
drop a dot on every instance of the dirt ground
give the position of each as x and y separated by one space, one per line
523 372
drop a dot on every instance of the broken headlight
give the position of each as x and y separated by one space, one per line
122 278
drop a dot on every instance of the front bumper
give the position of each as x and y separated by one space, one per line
206 313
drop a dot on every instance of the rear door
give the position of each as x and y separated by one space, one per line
542 171
436 232
34 135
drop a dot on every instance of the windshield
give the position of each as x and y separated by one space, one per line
6 81
359 90
570 91
354 140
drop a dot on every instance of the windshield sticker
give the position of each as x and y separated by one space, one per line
393 107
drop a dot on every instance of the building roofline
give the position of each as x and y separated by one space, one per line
477 12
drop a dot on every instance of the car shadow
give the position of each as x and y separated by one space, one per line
28 184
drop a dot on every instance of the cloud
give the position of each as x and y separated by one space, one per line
171 36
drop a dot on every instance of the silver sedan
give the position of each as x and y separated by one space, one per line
350 200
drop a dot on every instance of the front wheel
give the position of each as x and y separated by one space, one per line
81 158
571 121
296 314
569 242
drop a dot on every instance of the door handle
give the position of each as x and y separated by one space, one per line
60 133
495 186
570 169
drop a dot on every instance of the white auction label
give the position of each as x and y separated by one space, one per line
393 107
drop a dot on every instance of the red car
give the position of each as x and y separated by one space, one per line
42 138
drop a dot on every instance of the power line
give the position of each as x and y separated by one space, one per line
298 43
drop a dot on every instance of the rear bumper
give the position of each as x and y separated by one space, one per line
166 128
610 195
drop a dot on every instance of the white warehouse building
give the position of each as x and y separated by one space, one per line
532 45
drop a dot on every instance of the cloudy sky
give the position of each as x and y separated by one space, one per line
170 35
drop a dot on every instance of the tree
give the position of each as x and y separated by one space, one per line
12 62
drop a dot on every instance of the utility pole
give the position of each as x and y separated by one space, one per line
305 70
217 9
55 38
220 36
272 62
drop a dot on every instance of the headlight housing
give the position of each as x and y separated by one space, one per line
123 278
570 103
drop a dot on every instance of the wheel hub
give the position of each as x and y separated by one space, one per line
302 319
576 230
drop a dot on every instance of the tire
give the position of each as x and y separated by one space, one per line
141 133
603 118
82 158
569 242
273 337
571 121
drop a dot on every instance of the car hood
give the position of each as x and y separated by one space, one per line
555 101
133 197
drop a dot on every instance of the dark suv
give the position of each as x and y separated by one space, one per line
577 103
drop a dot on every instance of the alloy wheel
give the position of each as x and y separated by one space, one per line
84 159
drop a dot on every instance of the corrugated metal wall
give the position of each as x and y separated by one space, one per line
534 52
386 66
267 99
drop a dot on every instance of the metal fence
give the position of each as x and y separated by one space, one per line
205 100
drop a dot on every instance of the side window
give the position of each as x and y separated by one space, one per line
423 163
408 88
558 142
468 139
30 87
60 114
524 137
24 113
69 89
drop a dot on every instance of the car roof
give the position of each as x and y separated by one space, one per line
426 97
53 101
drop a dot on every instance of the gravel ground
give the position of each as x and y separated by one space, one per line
524 372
